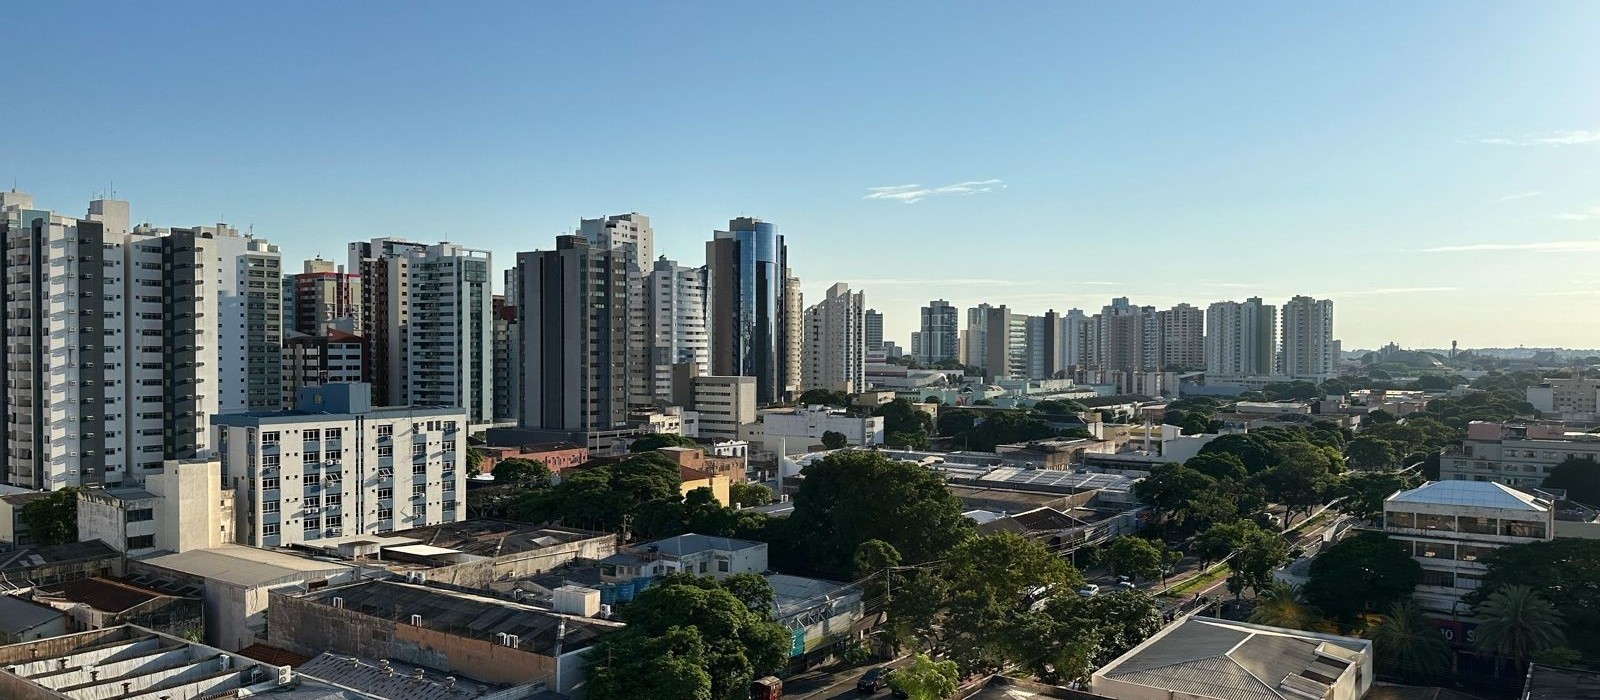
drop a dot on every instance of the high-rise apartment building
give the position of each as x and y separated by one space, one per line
677 328
427 316
1182 338
1308 345
506 351
1241 338
1006 340
977 340
572 317
874 330
1070 353
340 466
632 236
835 342
755 308
122 343
1127 338
330 357
940 334
321 294
1045 341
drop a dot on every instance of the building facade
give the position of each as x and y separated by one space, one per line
1450 527
1515 454
339 466
321 294
1309 350
1183 338
677 326
332 356
1241 338
724 404
941 333
1567 399
754 316
835 342
573 311
873 327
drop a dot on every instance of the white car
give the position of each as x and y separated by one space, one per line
1089 589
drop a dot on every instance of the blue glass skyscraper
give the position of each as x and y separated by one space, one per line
750 315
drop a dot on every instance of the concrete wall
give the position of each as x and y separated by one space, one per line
308 627
479 574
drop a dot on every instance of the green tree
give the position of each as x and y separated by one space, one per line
1368 452
1073 635
1302 480
1133 556
1292 391
912 440
1565 571
1284 605
601 497
54 518
1517 623
749 494
1363 493
1221 466
874 566
1580 477
1260 553
850 497
656 441
1404 644
824 397
737 644
903 416
474 461
1220 540
1052 407
1253 451
925 679
1171 488
754 591
1007 427
834 440
1366 572
523 473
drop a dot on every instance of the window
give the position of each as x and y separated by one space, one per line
269 461
335 520
1429 521
1443 579
449 486
419 490
269 438
385 493
385 431
385 451
722 565
1399 519
313 479
419 450
313 524
312 502
270 530
333 433
333 499
419 468
269 484
702 567
269 506
1522 528
386 514
1433 550
312 435
141 542
139 515
312 457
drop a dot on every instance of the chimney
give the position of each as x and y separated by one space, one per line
416 620
338 603
224 661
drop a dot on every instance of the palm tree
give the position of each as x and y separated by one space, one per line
1284 605
1406 645
1517 623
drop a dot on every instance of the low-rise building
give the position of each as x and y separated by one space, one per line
1515 454
333 356
489 639
235 582
693 479
39 565
1449 527
1205 659
556 456
134 663
13 531
803 428
1567 399
718 557
22 620
472 553
98 603
818 613
1056 453
181 508
733 467
339 465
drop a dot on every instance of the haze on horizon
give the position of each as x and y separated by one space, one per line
1430 166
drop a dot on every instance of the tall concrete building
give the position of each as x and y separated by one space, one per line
506 351
940 334
1006 343
322 294
427 317
330 357
1072 330
1182 338
1308 345
572 317
977 336
1045 341
755 308
677 305
122 343
874 326
631 235
1241 338
1127 338
795 335
835 342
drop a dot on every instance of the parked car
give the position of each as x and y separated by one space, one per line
1089 589
874 680
1126 585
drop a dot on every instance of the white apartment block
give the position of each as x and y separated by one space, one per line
337 467
803 428
1182 338
1241 338
836 342
677 323
1449 527
1567 399
1515 455
181 508
1309 350
724 405
975 339
122 343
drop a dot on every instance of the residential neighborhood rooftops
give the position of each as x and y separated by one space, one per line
1210 658
691 543
1053 480
464 614
1482 494
18 616
102 594
392 680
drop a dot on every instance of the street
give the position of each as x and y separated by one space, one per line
835 685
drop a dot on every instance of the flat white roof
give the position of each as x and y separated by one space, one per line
1460 492
244 566
422 550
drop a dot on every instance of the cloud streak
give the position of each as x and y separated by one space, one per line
911 194
1386 291
1585 215
1566 137
956 281
1588 246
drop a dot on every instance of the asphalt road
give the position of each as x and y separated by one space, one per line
836 685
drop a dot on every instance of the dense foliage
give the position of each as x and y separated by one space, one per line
54 518
1366 572
850 497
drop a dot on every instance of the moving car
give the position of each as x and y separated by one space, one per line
874 680
1089 589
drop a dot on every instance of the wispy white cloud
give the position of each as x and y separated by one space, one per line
911 194
1567 137
1570 293
1521 195
1585 215
1386 291
1587 246
952 281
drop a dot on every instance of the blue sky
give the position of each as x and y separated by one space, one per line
1434 167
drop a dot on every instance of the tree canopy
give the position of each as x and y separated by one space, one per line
1364 573
1566 572
656 441
524 473
1579 476
1072 635
925 679
904 423
1363 492
825 397
599 498
850 497
834 440
1133 556
54 518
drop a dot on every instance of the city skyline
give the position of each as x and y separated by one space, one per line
1280 152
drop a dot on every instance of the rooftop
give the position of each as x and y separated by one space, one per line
42 555
1211 658
1114 400
1482 494
391 680
795 593
1052 480
99 593
691 543
1036 520
491 538
463 614
244 566
133 663
18 615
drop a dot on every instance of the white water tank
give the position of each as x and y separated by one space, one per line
577 600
